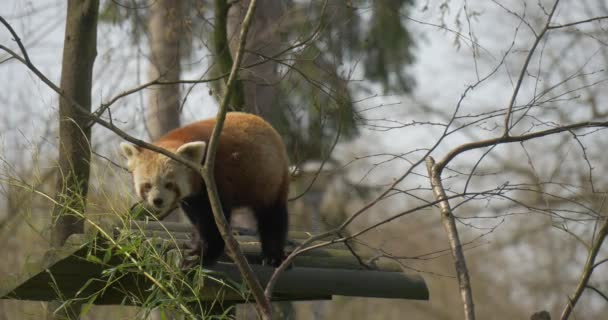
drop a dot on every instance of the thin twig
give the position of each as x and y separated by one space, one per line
596 290
303 247
587 271
105 106
26 57
262 302
557 26
508 139
352 251
524 69
318 173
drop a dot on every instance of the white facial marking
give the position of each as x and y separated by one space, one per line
161 182
156 188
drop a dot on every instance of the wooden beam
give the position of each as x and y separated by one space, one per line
316 275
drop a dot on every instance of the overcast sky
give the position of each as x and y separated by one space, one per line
445 66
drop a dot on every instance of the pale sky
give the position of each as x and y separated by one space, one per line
443 71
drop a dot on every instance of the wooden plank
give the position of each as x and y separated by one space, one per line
175 227
320 258
182 231
60 277
315 275
344 282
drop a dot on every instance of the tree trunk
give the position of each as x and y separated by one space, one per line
165 23
79 52
165 27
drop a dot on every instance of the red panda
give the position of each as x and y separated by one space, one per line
251 170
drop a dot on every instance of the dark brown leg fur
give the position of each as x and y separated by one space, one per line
208 239
272 227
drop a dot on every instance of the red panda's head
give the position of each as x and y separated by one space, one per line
159 180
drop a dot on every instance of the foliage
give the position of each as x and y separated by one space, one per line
514 117
315 102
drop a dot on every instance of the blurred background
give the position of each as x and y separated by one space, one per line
361 91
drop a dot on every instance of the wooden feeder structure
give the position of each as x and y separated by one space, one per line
83 266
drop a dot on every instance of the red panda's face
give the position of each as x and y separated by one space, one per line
160 181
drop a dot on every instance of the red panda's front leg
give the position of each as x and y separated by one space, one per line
192 252
209 240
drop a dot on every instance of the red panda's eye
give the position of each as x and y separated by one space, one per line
170 185
146 186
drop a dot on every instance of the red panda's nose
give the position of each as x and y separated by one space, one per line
158 202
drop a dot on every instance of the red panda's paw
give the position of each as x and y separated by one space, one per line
192 253
189 262
194 247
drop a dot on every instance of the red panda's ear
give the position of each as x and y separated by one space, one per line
193 151
129 151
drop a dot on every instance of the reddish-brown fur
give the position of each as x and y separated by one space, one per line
251 169
251 166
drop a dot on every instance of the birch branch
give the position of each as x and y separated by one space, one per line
449 225
587 271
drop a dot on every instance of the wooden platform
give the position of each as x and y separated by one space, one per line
104 272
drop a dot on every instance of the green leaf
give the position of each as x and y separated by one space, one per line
93 259
107 256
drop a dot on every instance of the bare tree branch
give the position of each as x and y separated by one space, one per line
559 201
587 271
508 139
557 26
208 173
596 290
524 69
449 224
262 303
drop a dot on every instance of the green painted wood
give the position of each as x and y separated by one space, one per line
77 271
